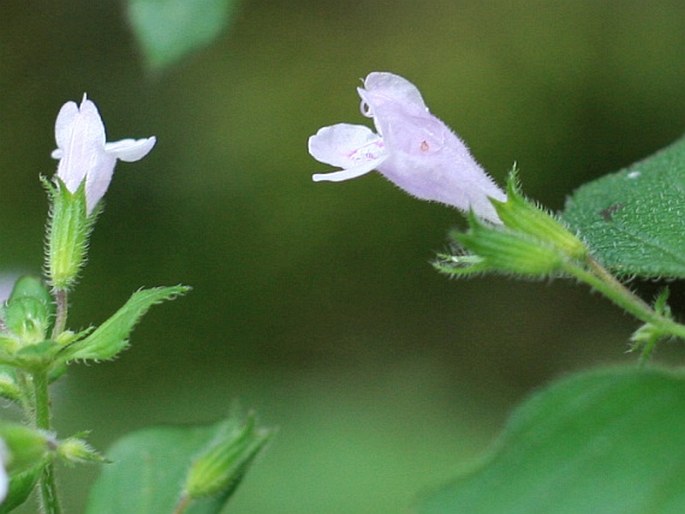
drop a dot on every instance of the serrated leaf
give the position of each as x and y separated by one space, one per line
167 30
609 441
634 220
149 469
111 337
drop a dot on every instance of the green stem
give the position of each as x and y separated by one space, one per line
647 349
49 500
48 486
601 280
42 400
61 307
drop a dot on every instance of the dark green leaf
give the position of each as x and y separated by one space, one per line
167 30
609 441
634 220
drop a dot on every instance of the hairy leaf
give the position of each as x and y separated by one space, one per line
634 220
111 337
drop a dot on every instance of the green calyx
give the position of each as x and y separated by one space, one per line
68 232
530 242
522 215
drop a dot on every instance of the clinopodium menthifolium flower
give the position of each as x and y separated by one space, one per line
83 152
412 148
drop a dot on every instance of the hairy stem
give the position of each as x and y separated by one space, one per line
49 500
47 485
62 306
596 276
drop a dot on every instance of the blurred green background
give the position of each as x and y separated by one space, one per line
315 304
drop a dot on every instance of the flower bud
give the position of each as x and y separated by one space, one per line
8 386
221 467
77 450
29 309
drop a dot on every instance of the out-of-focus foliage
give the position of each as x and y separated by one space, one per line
316 303
634 220
610 440
154 468
168 30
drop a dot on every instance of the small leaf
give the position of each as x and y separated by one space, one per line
609 441
634 220
167 30
28 450
149 469
111 337
21 485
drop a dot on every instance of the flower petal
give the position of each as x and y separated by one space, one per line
426 158
130 150
80 137
98 179
347 146
388 87
65 119
4 477
346 174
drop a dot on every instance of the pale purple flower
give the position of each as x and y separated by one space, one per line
412 148
84 154
4 477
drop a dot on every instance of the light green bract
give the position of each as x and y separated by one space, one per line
634 220
609 441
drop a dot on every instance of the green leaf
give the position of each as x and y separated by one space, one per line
111 337
21 485
609 441
28 451
634 220
168 30
149 469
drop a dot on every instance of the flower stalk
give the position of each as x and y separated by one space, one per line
658 324
533 243
61 308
